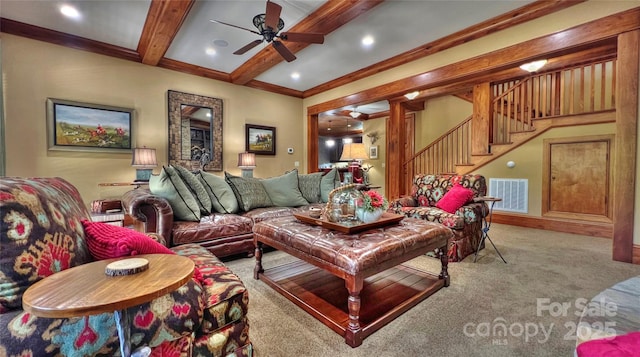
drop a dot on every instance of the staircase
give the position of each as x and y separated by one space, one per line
522 109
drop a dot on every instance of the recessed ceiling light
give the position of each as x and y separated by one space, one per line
221 43
295 75
533 66
368 40
210 51
412 95
70 11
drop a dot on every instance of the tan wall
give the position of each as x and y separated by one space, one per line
439 116
34 71
376 173
529 157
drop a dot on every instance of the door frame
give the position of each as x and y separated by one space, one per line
546 178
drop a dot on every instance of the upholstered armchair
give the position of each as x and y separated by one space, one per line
427 201
44 230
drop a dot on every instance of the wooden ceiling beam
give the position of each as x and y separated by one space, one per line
557 44
162 24
328 18
64 39
523 14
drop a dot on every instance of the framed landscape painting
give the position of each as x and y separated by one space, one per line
76 126
260 139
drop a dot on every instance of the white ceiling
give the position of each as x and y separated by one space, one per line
397 26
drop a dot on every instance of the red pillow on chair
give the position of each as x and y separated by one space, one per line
455 198
106 241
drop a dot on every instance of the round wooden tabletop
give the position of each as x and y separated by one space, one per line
87 290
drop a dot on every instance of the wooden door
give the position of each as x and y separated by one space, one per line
577 178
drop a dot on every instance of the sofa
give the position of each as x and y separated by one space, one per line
224 226
45 228
431 200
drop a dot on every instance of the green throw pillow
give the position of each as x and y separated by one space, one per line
221 194
197 189
309 185
283 190
328 183
248 191
171 187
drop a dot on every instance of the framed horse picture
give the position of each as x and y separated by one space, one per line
260 139
76 126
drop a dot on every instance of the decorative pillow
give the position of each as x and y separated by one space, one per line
283 190
106 241
328 183
455 198
221 194
309 185
249 192
171 187
197 189
621 345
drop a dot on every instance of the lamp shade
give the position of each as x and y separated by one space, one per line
353 151
246 160
144 158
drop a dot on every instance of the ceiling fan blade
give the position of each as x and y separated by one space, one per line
309 37
238 27
283 51
272 15
246 48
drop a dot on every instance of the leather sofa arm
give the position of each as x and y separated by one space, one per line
154 211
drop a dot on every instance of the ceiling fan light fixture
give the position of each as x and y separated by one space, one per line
259 23
533 66
354 114
412 95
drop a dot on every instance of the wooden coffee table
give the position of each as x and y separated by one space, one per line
87 290
369 264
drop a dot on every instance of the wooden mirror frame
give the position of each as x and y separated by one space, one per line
176 139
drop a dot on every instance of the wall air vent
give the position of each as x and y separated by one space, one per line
514 194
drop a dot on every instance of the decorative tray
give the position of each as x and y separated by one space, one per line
347 227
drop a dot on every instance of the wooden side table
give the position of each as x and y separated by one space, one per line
486 223
87 290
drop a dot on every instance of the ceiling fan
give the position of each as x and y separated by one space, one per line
268 25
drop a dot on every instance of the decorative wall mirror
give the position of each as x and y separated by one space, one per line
195 131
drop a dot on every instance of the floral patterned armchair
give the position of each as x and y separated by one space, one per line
41 233
466 222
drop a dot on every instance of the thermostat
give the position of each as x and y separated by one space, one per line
289 150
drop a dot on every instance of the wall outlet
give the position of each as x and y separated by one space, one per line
296 163
383 165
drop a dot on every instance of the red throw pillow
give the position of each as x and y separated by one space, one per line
107 241
618 346
455 198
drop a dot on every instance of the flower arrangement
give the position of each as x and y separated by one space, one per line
372 200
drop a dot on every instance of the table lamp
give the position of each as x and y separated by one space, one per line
144 160
355 152
246 163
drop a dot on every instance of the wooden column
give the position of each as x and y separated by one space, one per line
312 143
481 117
624 177
395 170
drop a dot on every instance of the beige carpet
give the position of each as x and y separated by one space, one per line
545 269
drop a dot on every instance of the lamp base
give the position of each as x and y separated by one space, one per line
247 173
143 175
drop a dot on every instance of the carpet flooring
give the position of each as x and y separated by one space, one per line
528 307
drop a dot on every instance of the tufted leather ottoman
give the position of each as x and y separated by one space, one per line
378 287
